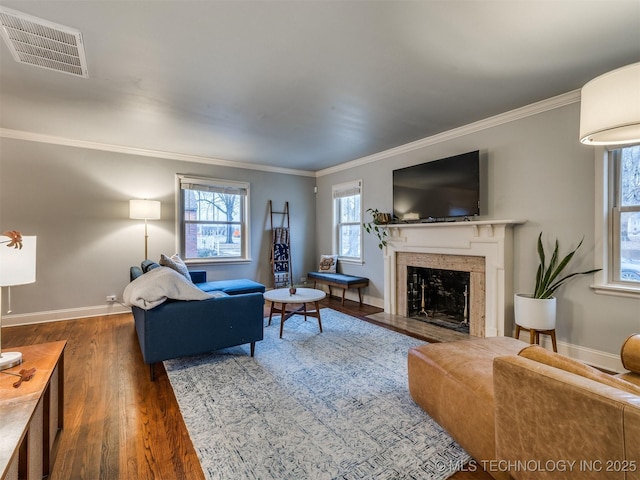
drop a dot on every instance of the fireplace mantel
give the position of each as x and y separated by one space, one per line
490 239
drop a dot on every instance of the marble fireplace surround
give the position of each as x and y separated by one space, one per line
484 248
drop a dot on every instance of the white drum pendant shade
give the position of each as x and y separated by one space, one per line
610 108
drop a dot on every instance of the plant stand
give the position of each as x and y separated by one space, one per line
534 335
535 315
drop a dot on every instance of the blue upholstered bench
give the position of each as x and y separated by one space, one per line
339 280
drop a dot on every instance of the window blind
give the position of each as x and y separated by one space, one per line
346 189
213 185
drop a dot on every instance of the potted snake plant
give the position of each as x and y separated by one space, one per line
537 310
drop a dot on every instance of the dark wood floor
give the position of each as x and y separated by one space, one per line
119 424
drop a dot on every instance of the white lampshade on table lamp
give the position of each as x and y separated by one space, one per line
17 267
610 108
144 210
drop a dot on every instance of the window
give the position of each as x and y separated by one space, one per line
347 214
618 220
625 212
213 219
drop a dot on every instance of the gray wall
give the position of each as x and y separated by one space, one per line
76 201
536 171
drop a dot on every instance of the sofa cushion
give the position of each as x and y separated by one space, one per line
134 272
453 383
630 353
148 265
175 262
542 355
198 276
630 377
232 287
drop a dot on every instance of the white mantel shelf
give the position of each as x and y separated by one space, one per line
471 223
490 238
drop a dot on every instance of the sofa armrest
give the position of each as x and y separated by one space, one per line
544 414
198 276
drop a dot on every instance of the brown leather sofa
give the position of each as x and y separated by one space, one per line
524 412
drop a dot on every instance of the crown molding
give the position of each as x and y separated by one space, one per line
500 119
144 152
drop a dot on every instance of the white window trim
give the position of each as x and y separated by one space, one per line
603 280
355 186
232 184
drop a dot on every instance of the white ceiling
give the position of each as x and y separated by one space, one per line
307 84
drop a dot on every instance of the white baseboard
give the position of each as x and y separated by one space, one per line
590 356
597 358
59 315
373 301
349 295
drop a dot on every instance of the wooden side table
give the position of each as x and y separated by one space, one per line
32 414
302 296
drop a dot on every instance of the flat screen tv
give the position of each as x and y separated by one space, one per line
439 190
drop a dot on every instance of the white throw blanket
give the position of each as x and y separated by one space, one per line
157 285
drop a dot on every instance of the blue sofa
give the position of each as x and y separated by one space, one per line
178 328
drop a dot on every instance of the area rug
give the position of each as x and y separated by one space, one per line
331 405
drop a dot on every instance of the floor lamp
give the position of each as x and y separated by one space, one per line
17 267
144 210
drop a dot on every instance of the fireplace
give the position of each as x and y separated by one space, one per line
406 262
480 249
439 297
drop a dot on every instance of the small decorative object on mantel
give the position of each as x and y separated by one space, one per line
17 267
372 227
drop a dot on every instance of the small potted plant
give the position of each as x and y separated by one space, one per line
378 218
538 310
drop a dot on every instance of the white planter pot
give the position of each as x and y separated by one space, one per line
535 313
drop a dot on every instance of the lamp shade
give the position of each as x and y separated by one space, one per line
18 266
144 209
610 108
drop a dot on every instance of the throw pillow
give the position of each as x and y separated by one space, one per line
328 263
176 263
147 265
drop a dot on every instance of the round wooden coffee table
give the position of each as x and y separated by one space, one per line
302 296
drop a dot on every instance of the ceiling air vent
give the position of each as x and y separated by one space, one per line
43 44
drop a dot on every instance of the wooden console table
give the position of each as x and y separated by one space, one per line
32 414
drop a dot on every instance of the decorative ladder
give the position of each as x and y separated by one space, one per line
280 248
